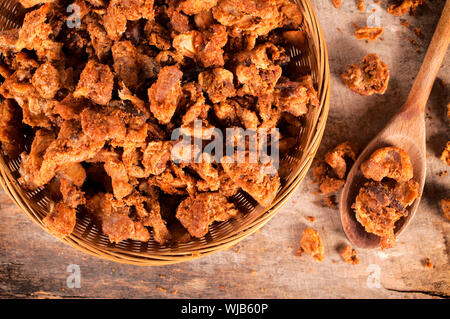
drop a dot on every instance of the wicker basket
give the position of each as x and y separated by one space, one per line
88 237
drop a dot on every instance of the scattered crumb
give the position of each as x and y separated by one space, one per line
414 42
310 219
311 243
174 292
405 23
442 173
377 2
445 206
162 276
442 81
330 201
161 289
222 287
349 255
418 32
427 263
445 156
253 272
339 29
368 33
238 249
360 5
337 3
262 289
405 7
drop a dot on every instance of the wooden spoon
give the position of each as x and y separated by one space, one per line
405 130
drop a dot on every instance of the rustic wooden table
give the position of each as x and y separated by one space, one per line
35 265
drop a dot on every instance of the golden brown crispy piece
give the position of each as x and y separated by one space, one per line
323 174
115 168
104 123
445 206
148 211
32 3
125 63
158 35
349 255
192 7
72 195
198 213
32 162
35 34
115 220
369 33
188 44
404 7
72 177
372 76
210 53
331 173
73 173
165 93
71 146
61 220
291 17
295 97
336 157
11 136
36 110
261 181
178 20
445 156
254 16
248 118
70 108
119 11
99 38
207 172
46 80
8 40
96 83
311 243
391 162
379 206
256 70
195 103
337 3
157 156
218 84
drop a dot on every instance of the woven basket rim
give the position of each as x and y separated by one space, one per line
12 188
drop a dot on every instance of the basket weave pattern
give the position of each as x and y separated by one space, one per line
88 237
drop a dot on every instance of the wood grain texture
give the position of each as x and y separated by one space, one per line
34 265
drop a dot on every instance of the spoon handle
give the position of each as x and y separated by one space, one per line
421 89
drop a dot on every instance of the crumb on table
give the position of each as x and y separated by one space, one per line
311 243
349 255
